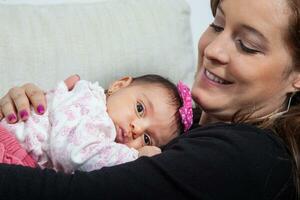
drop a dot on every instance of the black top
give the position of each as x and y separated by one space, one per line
219 161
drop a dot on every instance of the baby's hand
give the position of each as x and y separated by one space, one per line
149 151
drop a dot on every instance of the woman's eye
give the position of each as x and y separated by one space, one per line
246 49
147 139
140 109
216 27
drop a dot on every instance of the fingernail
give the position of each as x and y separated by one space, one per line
11 118
40 109
23 114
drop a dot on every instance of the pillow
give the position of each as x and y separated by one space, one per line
101 41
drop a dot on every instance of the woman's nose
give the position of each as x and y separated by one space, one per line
218 49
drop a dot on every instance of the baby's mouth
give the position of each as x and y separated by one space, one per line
119 135
216 78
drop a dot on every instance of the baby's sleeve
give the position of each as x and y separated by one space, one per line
96 155
57 95
89 145
95 146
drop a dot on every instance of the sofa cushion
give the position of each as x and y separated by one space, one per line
100 41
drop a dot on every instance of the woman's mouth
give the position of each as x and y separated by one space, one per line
216 79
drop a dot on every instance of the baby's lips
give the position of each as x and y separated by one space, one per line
119 135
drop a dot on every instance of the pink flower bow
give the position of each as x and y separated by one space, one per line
185 111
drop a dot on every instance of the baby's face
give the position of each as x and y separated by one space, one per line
142 115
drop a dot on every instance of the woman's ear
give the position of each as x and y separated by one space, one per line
296 82
121 83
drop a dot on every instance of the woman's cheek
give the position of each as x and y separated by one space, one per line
204 41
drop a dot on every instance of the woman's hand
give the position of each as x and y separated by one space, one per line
16 103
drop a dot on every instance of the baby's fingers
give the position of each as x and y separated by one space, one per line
71 81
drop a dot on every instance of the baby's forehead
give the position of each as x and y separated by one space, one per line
163 97
147 84
159 88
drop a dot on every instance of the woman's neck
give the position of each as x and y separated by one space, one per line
207 119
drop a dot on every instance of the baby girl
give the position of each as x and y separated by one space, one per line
88 127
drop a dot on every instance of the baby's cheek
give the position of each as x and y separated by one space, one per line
136 143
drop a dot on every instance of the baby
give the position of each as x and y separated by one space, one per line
88 128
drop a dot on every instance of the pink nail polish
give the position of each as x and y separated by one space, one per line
40 109
11 117
23 114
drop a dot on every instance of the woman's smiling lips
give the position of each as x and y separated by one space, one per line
214 79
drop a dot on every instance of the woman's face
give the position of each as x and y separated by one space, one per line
243 59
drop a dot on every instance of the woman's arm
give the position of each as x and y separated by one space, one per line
142 179
218 162
15 104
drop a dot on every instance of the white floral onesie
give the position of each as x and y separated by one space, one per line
75 133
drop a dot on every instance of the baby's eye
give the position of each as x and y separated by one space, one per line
140 109
147 139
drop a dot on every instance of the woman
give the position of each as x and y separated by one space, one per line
247 144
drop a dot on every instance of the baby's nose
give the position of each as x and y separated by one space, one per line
137 129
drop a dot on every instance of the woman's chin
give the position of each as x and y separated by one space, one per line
212 104
204 99
206 105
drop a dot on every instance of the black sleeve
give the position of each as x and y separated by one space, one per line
207 163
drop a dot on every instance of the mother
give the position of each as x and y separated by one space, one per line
247 143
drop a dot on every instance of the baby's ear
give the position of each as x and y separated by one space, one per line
121 83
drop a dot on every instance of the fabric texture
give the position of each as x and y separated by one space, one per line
100 41
219 161
11 152
75 133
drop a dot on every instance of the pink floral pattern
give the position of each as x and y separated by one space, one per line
75 133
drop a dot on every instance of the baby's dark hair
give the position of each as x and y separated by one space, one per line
174 97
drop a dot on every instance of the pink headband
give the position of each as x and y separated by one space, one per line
185 111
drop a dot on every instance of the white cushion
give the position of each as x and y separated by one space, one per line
44 2
100 41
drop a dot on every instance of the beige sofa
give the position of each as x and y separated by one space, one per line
101 40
